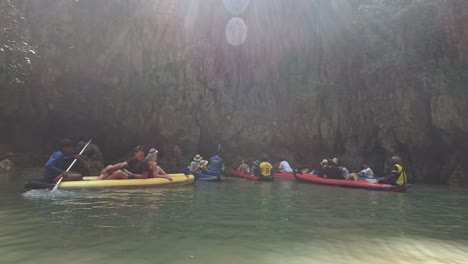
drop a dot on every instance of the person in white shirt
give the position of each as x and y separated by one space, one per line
366 171
284 167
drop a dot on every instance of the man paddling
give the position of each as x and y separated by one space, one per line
54 169
134 168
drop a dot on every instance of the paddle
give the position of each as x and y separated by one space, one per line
69 167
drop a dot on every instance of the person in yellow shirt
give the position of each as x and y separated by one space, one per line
265 170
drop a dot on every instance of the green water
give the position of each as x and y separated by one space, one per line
236 221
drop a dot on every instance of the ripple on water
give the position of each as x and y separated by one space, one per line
234 222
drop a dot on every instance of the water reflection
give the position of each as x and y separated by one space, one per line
237 221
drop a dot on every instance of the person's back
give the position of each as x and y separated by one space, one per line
254 170
216 164
344 171
333 172
243 167
54 166
367 172
193 166
285 167
265 169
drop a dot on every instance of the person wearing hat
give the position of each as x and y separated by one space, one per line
202 167
329 170
344 170
321 171
154 170
332 171
243 167
194 164
54 169
134 168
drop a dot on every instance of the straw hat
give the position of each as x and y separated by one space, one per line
336 161
202 163
197 157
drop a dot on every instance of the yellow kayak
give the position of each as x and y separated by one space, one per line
92 182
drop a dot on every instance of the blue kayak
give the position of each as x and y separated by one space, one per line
208 177
369 178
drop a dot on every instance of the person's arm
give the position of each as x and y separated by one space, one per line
361 173
51 164
395 173
281 166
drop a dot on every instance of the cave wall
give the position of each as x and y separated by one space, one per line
361 80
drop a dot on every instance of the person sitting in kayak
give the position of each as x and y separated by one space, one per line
154 170
194 164
254 170
284 167
398 176
366 172
216 165
54 169
134 168
332 171
202 167
265 169
243 167
344 170
321 172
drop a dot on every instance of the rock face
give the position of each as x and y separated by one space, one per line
357 79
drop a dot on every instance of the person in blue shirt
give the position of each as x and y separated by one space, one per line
54 169
216 166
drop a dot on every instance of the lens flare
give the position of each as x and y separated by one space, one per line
236 7
236 31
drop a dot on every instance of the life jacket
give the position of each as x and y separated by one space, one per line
216 164
265 169
401 179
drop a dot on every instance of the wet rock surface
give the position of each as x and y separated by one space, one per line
360 80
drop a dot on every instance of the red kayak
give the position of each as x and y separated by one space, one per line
239 174
310 178
247 176
284 175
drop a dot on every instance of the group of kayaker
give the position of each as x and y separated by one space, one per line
264 168
213 167
331 169
141 166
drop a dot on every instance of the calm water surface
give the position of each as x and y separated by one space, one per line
236 221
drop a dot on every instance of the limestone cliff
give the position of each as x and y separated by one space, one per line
360 79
